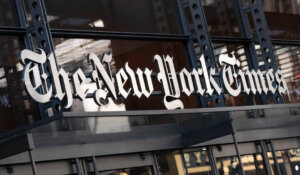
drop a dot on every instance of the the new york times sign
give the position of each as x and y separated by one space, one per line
199 80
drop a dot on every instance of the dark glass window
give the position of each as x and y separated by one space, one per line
147 16
288 60
228 165
170 164
14 109
288 161
282 18
221 17
253 164
8 13
197 162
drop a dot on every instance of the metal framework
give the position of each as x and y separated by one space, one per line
41 31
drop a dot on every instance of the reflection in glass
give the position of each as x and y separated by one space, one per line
147 16
288 160
129 171
8 13
221 17
288 60
15 111
253 164
197 162
281 16
72 54
170 164
104 129
228 165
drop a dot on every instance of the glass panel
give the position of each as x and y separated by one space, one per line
228 165
289 161
288 60
221 17
147 16
129 171
170 164
281 16
15 110
272 163
253 164
191 128
8 16
110 130
72 54
197 162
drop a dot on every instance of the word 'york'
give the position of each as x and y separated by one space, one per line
43 85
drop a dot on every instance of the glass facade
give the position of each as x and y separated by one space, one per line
171 29
144 16
8 16
198 162
280 16
137 135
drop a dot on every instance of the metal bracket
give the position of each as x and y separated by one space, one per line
204 41
264 40
42 33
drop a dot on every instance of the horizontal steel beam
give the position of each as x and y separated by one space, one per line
12 30
117 35
15 145
161 113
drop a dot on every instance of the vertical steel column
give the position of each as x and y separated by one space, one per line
155 164
275 158
245 30
95 165
32 162
27 39
192 55
265 157
40 28
39 24
212 161
256 165
24 23
238 154
262 37
264 40
204 41
184 162
77 164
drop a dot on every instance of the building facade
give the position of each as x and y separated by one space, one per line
131 132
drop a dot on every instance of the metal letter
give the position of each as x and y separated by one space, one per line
185 75
58 77
209 90
79 79
197 74
147 73
270 79
122 77
133 81
107 79
167 79
35 88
